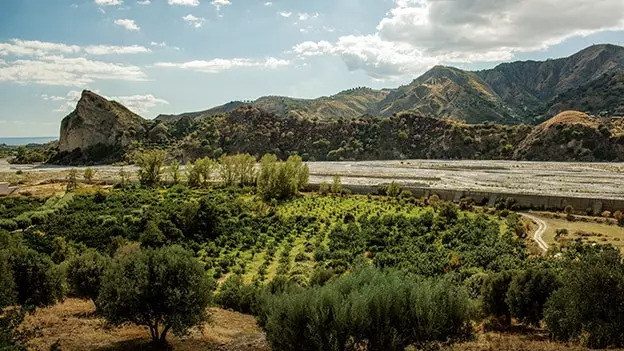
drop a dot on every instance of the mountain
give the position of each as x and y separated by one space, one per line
510 93
102 131
99 126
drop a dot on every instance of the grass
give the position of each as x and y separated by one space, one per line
608 234
73 324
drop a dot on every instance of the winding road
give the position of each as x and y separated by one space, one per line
541 228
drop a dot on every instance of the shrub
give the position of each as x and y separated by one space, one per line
8 224
236 295
324 188
37 280
163 289
385 310
336 187
84 274
150 167
589 306
528 292
494 294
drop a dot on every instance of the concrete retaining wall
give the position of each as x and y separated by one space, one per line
545 202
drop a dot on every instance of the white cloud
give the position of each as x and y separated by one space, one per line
382 60
196 22
495 29
285 14
220 65
20 47
64 71
144 2
136 103
117 50
161 44
304 16
184 2
108 2
416 34
128 24
219 3
268 3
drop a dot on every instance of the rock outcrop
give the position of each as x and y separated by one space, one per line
98 122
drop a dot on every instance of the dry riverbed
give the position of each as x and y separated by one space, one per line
598 180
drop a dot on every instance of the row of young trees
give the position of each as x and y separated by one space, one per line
275 179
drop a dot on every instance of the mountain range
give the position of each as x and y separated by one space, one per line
591 80
528 107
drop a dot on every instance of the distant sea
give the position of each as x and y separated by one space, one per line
26 141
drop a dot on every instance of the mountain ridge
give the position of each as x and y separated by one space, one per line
509 93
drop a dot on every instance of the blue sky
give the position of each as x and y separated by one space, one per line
173 56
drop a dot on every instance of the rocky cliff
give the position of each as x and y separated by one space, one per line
99 124
99 121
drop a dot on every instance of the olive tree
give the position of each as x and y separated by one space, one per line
84 274
164 289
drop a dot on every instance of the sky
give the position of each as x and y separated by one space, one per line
174 56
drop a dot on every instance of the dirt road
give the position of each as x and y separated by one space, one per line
541 228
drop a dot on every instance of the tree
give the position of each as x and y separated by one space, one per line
84 274
174 171
89 173
590 303
281 180
164 289
37 280
192 175
123 178
72 180
204 168
494 293
528 292
237 169
336 187
150 167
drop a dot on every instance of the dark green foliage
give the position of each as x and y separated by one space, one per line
37 280
589 306
494 294
84 274
385 311
528 292
236 295
163 289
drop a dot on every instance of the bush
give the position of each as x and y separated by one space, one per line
528 292
163 289
236 295
589 306
494 294
8 224
84 274
38 282
324 188
151 165
385 310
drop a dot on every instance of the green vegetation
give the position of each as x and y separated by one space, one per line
163 289
333 270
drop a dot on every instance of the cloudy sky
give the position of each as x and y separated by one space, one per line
173 56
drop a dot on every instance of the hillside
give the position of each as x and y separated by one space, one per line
511 93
